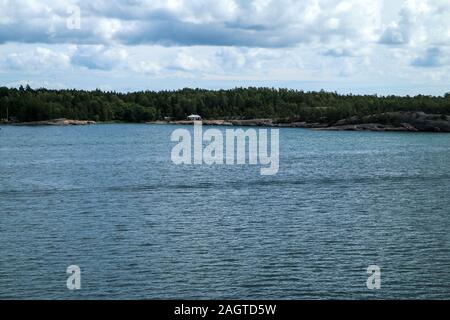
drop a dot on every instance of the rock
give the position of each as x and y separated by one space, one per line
364 127
395 121
409 127
253 122
59 122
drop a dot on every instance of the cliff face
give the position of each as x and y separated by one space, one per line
426 122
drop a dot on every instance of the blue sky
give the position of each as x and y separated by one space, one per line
359 46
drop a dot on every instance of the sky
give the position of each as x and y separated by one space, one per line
380 47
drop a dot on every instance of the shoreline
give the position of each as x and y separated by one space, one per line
385 122
269 123
403 122
54 122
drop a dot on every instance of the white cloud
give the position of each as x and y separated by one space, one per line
186 61
276 40
38 59
420 22
146 67
257 23
231 59
99 57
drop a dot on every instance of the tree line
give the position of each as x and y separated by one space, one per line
26 104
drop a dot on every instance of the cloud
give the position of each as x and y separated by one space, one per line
98 57
339 52
432 58
38 59
247 40
146 67
419 22
395 34
264 24
187 62
33 21
231 58
257 23
238 60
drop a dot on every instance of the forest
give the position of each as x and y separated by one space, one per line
25 104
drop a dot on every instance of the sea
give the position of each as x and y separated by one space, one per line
109 199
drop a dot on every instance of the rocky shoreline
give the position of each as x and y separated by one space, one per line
393 121
56 122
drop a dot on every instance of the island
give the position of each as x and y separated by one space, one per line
268 107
